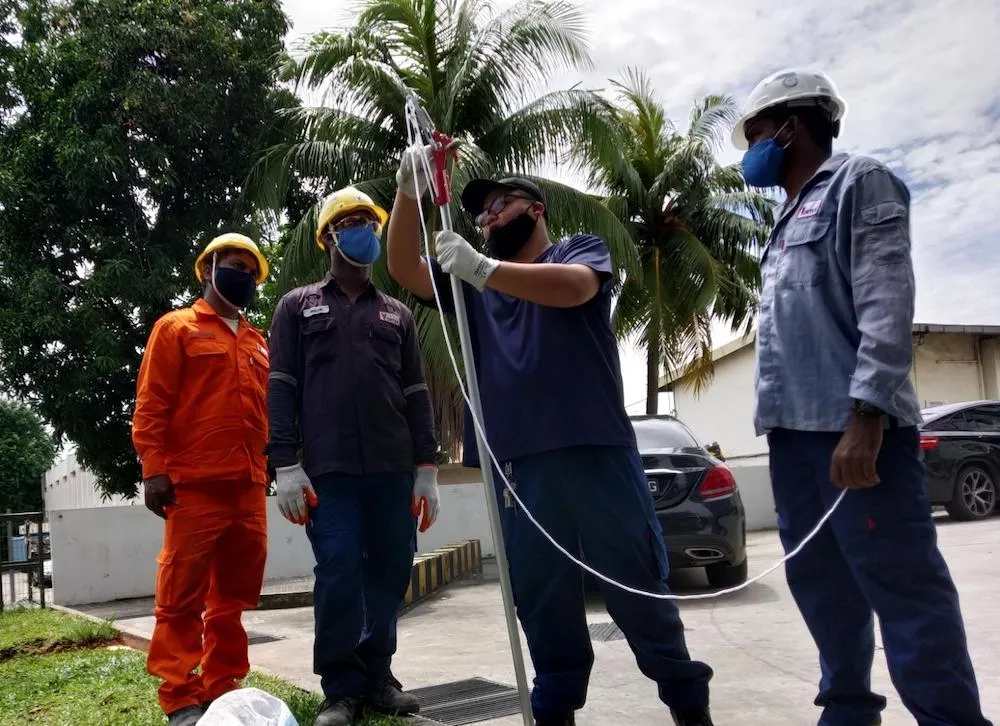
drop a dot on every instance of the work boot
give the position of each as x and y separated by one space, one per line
556 720
387 697
700 717
338 713
187 716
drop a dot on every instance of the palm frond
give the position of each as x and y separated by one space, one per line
712 120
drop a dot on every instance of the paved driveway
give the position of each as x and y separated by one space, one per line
764 660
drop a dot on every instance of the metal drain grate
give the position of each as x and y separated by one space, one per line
464 702
605 632
258 638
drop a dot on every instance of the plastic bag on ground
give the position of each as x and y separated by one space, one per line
248 707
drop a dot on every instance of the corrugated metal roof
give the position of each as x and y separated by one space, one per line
736 345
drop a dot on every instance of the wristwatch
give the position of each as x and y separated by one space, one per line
868 410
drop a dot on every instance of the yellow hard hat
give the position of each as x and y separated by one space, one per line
344 202
233 241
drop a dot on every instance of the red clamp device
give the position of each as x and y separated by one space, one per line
442 185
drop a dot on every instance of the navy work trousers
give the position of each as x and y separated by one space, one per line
363 535
877 554
596 503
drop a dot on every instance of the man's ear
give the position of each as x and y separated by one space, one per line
539 209
790 131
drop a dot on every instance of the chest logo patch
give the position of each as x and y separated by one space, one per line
315 310
387 317
809 208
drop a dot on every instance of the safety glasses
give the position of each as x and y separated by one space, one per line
497 206
354 220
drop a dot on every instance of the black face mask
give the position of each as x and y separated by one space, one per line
236 287
506 241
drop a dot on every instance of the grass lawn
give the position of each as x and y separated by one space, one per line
65 671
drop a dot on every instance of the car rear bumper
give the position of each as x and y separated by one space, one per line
715 533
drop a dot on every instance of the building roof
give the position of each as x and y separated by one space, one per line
739 344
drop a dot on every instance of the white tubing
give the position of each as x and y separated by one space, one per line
416 149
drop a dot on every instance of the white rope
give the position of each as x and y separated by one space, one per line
417 151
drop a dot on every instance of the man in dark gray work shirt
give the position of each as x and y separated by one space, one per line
346 383
835 399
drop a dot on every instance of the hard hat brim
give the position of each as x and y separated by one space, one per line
263 269
738 136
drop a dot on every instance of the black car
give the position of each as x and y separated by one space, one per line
961 445
697 501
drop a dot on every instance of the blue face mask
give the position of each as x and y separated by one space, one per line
763 162
359 245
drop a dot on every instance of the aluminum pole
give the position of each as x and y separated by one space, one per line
486 466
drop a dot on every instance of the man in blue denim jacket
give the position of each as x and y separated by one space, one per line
835 399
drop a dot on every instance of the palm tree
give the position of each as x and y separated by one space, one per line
480 75
696 226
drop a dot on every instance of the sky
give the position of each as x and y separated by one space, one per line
922 83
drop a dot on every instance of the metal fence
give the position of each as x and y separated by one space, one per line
25 559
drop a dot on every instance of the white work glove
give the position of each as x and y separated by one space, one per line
457 257
411 177
295 493
426 500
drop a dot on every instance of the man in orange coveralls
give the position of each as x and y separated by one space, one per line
200 428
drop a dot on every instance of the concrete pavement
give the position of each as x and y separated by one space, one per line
765 663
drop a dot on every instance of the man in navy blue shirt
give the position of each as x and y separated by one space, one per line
551 387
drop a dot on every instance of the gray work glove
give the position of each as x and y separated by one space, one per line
411 177
295 493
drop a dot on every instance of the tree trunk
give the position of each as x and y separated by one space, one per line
652 377
653 346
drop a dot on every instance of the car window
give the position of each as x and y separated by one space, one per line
662 434
953 422
982 419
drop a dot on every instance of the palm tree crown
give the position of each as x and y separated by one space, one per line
696 226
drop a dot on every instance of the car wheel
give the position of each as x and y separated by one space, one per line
975 495
722 574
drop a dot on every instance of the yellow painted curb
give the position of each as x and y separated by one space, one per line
434 570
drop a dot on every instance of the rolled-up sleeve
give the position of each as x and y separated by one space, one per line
283 386
419 412
881 272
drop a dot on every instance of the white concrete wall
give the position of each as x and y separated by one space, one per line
989 353
946 368
723 410
753 477
109 553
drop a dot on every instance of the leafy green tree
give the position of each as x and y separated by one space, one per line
696 225
481 77
27 451
130 127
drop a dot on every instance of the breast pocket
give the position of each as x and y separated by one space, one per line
319 340
803 261
387 346
206 352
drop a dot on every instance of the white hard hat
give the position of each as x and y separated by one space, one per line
793 87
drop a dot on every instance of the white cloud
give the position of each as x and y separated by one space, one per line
920 77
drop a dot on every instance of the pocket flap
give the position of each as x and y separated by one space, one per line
387 333
884 212
311 326
803 233
205 346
